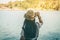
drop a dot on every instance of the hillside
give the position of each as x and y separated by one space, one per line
34 4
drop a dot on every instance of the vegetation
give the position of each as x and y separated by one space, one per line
34 4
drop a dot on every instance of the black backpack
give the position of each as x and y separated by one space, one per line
31 30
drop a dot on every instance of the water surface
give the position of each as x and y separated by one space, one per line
11 23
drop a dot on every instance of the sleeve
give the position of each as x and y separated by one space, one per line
37 22
22 33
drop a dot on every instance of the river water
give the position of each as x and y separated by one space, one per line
11 23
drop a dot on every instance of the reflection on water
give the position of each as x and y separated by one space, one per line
12 21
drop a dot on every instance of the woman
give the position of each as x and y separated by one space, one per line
29 26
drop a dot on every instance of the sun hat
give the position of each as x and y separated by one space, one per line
28 14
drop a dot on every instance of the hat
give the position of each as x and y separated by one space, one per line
28 14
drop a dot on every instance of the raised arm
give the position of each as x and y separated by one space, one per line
40 20
39 17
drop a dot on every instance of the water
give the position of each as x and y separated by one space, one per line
11 23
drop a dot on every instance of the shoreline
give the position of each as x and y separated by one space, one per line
16 9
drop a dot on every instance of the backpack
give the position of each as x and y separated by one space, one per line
31 32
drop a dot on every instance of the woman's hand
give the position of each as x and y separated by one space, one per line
37 14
